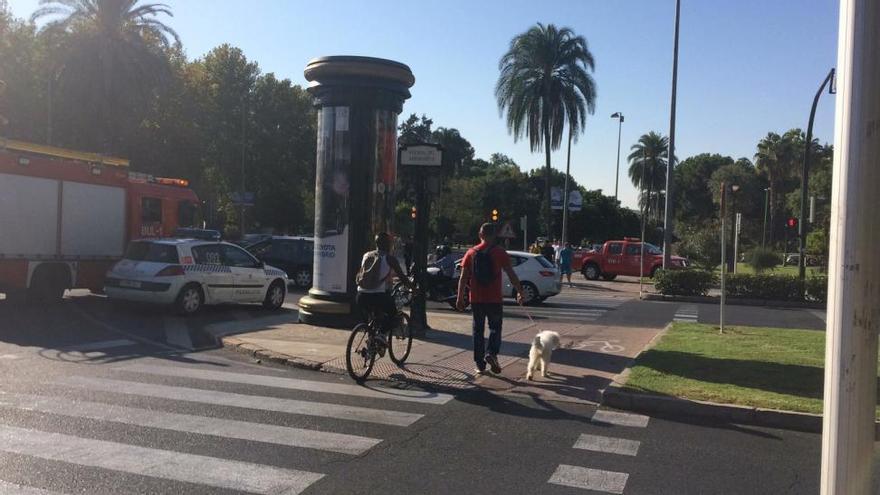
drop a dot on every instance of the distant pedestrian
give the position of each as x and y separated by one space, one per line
481 274
565 256
548 252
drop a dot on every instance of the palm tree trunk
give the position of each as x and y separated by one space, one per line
772 206
548 212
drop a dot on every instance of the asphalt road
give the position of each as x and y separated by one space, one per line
101 399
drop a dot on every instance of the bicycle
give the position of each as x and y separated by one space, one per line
368 340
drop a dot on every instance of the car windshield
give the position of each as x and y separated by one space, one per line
652 249
151 251
544 262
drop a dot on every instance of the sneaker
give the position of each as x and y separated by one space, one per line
493 363
479 371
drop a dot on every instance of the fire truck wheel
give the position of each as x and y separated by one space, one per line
190 300
48 284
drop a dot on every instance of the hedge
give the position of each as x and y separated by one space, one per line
685 282
773 287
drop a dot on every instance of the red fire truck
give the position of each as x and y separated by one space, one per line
66 216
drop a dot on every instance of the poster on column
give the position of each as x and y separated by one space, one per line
332 200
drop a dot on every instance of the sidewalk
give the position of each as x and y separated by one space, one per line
589 358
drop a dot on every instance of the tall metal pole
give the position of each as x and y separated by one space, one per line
723 255
853 321
243 147
619 117
565 192
642 238
49 110
803 228
667 215
766 204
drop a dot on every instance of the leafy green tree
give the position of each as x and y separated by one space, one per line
544 84
112 62
777 158
693 195
652 151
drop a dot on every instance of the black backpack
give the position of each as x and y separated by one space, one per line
484 270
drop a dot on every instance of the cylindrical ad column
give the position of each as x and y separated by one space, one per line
359 99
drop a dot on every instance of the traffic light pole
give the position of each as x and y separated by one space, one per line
418 314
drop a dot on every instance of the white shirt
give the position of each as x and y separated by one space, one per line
384 275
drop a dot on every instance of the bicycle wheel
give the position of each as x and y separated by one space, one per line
400 342
360 353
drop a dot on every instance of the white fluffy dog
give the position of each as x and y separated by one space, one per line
539 355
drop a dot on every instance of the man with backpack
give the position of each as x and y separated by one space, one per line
373 280
481 274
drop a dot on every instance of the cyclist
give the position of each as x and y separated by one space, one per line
378 267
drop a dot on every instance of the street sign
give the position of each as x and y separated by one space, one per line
421 155
239 199
738 223
556 198
575 200
507 232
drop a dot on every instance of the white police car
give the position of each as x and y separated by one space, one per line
189 273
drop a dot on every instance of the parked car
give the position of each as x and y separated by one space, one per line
190 273
294 255
539 277
622 258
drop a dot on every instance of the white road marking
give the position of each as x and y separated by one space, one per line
7 488
688 312
608 445
241 430
177 466
98 346
620 419
292 383
177 333
589 479
10 356
320 409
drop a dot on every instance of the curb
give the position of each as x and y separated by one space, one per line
262 354
735 301
614 396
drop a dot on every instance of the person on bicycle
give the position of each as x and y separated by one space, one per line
378 268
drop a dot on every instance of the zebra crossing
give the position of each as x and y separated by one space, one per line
201 406
571 306
600 480
687 313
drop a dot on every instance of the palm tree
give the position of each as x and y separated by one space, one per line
652 150
113 56
544 83
776 159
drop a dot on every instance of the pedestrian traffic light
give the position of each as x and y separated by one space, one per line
792 223
413 213
494 215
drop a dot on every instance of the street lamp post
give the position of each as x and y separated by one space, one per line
805 176
619 117
667 214
764 230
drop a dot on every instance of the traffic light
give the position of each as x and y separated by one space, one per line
413 213
792 224
494 215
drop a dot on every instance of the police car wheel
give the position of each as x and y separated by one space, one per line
274 296
190 300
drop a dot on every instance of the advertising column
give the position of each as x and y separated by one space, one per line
358 100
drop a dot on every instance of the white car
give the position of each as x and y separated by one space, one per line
539 277
189 273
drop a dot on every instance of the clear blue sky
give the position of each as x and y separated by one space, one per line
746 66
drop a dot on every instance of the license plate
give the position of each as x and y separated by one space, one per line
132 284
